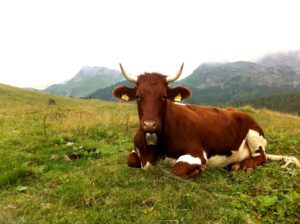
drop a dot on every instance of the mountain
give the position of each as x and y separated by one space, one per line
220 74
220 83
86 81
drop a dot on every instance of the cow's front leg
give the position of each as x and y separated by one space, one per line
133 160
188 166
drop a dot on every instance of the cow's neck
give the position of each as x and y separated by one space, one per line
176 121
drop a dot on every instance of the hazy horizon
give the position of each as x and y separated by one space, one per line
49 42
43 86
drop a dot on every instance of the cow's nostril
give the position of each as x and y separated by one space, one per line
149 124
153 124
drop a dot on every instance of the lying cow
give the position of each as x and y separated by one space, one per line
195 136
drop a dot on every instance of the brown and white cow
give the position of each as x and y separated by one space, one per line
193 136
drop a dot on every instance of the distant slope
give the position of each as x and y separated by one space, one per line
10 96
234 91
286 102
106 93
86 81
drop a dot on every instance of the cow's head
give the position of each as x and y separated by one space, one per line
151 94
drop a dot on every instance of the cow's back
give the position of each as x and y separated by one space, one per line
220 118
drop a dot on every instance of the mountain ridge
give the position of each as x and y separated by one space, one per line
86 81
220 83
216 74
211 83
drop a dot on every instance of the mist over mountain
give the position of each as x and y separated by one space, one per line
289 59
86 81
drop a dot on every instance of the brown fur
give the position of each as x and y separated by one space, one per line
133 160
186 170
217 131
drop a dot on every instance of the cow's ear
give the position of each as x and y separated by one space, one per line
124 93
179 93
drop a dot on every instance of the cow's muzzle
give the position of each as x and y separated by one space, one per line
150 125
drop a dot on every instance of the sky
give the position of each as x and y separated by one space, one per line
44 42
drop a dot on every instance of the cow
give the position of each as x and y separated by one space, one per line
193 137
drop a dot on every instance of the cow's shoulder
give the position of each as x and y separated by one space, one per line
209 109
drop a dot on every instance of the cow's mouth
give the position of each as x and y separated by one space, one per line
151 138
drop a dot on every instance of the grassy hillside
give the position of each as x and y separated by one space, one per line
41 183
285 102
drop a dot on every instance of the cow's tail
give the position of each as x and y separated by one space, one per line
287 159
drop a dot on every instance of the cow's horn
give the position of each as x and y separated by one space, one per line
175 77
128 77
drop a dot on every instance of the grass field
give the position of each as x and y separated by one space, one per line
41 183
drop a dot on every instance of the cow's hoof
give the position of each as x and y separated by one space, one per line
235 167
203 168
133 160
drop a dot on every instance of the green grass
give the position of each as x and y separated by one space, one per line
38 185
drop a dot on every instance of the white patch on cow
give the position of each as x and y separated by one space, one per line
254 141
217 161
182 104
256 154
189 159
147 166
242 153
205 155
236 156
